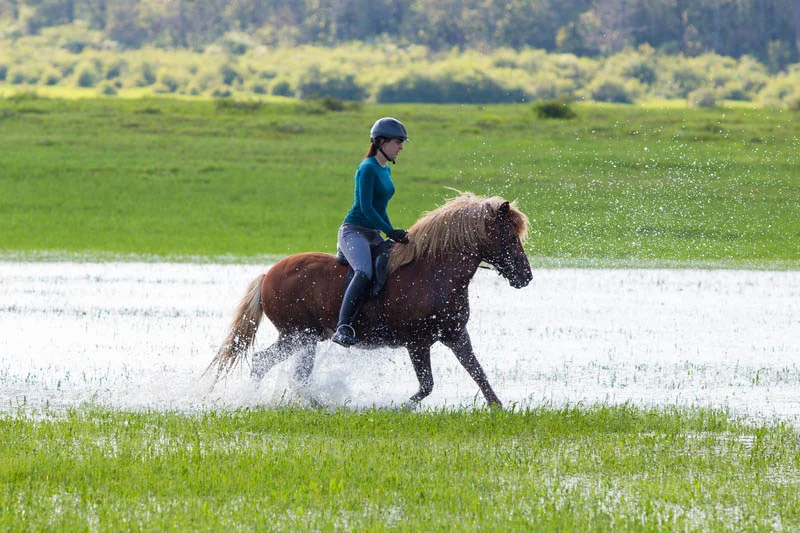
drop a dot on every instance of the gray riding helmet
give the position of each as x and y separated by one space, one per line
388 127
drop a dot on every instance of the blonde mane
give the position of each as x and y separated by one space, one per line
458 225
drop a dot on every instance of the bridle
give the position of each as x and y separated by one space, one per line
505 254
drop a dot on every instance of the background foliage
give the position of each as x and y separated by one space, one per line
388 73
466 51
765 29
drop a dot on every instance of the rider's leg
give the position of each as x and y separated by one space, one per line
355 243
354 296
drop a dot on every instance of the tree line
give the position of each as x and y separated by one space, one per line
768 30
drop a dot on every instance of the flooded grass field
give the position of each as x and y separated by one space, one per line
637 399
139 336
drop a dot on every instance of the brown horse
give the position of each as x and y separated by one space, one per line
425 298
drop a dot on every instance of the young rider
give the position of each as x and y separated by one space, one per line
362 227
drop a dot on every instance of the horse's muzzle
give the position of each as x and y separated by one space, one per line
519 283
519 279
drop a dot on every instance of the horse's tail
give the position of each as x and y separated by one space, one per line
242 332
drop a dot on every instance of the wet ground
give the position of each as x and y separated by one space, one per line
140 335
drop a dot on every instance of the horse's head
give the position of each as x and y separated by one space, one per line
490 228
504 251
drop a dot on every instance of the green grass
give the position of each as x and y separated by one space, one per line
618 185
573 469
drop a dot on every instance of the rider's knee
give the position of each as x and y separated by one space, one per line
365 272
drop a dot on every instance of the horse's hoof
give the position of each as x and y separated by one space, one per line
258 370
310 400
410 405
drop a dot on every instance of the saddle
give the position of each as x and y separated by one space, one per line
380 267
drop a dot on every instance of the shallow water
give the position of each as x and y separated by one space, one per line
140 335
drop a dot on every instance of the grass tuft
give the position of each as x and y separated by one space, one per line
377 469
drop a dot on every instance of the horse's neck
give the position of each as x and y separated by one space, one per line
456 268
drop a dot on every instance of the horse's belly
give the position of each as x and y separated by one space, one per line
303 291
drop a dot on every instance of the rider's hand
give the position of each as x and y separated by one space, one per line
398 235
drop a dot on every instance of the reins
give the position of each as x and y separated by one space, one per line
502 243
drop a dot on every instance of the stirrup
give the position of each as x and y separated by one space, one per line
343 337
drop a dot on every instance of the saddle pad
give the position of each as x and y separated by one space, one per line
380 267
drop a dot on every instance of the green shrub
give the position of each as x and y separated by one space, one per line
85 76
282 88
735 90
193 88
202 82
3 72
107 89
166 82
606 89
684 79
413 88
115 69
74 46
580 70
547 86
642 69
50 76
703 97
146 75
554 109
229 104
258 88
315 83
781 90
25 96
236 43
474 87
67 68
229 75
322 105
638 65
17 76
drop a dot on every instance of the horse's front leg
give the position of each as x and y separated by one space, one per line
462 348
421 359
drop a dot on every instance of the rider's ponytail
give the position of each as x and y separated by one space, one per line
374 146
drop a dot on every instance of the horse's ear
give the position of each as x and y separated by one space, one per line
505 207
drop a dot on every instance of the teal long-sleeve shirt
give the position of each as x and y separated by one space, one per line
374 189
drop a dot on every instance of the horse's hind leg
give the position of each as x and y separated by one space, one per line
264 360
306 352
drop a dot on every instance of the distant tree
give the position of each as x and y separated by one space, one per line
44 13
797 27
94 12
123 24
9 9
766 29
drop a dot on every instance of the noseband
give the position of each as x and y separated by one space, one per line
502 239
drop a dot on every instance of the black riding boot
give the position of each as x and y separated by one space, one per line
354 296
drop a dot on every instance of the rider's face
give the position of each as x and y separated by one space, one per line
392 147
